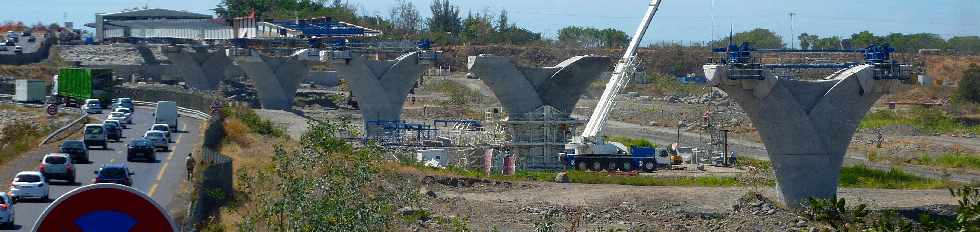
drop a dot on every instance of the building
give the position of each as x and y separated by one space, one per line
159 23
325 27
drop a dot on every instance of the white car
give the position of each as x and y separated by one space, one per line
158 139
165 129
6 209
121 117
92 106
125 111
29 185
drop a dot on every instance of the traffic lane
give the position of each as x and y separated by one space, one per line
144 173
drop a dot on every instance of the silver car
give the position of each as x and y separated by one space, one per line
166 131
58 166
158 139
29 185
121 117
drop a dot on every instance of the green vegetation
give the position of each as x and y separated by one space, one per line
324 184
254 122
861 176
969 86
951 160
927 119
592 37
665 84
759 38
20 137
835 215
631 142
584 177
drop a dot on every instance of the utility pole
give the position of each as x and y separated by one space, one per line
792 32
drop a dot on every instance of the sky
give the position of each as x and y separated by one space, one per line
677 20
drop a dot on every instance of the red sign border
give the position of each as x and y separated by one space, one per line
69 194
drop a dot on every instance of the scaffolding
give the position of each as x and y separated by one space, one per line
538 136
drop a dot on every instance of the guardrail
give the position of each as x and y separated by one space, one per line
62 129
181 110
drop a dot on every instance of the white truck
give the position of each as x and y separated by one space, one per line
166 113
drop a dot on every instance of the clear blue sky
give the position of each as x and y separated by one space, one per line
678 20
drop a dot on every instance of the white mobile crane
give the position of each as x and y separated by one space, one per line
590 150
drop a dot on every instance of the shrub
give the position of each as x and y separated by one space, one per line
255 123
969 86
237 132
632 142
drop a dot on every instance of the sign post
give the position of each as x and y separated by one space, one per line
104 207
52 109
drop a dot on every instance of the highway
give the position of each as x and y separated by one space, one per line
160 179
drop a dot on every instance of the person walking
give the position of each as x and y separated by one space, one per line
189 162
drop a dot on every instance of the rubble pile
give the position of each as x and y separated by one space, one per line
116 54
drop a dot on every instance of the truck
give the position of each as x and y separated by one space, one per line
590 150
75 85
166 113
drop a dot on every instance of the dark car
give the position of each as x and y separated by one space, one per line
10 42
76 149
113 131
141 148
114 173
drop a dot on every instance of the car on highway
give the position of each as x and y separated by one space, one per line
92 106
18 49
114 130
166 113
124 102
10 43
31 39
114 173
120 116
128 112
4 48
165 129
6 209
57 166
95 135
75 149
26 33
29 185
141 148
158 139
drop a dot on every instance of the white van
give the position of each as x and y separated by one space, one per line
95 135
166 113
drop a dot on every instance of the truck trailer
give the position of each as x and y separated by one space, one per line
75 85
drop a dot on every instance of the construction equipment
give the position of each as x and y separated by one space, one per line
590 150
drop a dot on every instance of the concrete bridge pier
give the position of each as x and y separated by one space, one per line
805 125
200 69
276 78
381 86
539 102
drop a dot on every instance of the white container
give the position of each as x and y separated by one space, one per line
30 91
925 80
432 157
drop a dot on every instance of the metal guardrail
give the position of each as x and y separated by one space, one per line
62 129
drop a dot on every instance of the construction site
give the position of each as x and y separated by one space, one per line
729 135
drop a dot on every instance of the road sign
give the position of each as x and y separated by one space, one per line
52 109
104 207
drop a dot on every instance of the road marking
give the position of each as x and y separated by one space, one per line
113 160
163 169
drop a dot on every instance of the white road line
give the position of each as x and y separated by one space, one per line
163 169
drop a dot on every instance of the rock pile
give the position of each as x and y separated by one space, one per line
117 54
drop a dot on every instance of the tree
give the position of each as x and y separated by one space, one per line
864 39
807 40
405 18
969 86
592 37
759 38
445 17
827 43
964 44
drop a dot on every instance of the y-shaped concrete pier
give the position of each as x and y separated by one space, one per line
381 86
805 125
539 102
276 78
201 69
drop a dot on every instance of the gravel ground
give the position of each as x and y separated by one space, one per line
116 54
524 206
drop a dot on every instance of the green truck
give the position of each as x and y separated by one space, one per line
74 85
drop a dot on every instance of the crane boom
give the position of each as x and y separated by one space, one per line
621 76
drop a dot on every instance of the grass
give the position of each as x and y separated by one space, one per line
19 138
631 142
930 120
951 160
583 177
860 176
254 122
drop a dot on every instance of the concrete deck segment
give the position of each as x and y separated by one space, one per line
805 125
381 87
276 78
523 89
200 68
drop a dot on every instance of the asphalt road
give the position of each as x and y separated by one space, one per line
159 179
29 47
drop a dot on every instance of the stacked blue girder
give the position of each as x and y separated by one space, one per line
743 66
